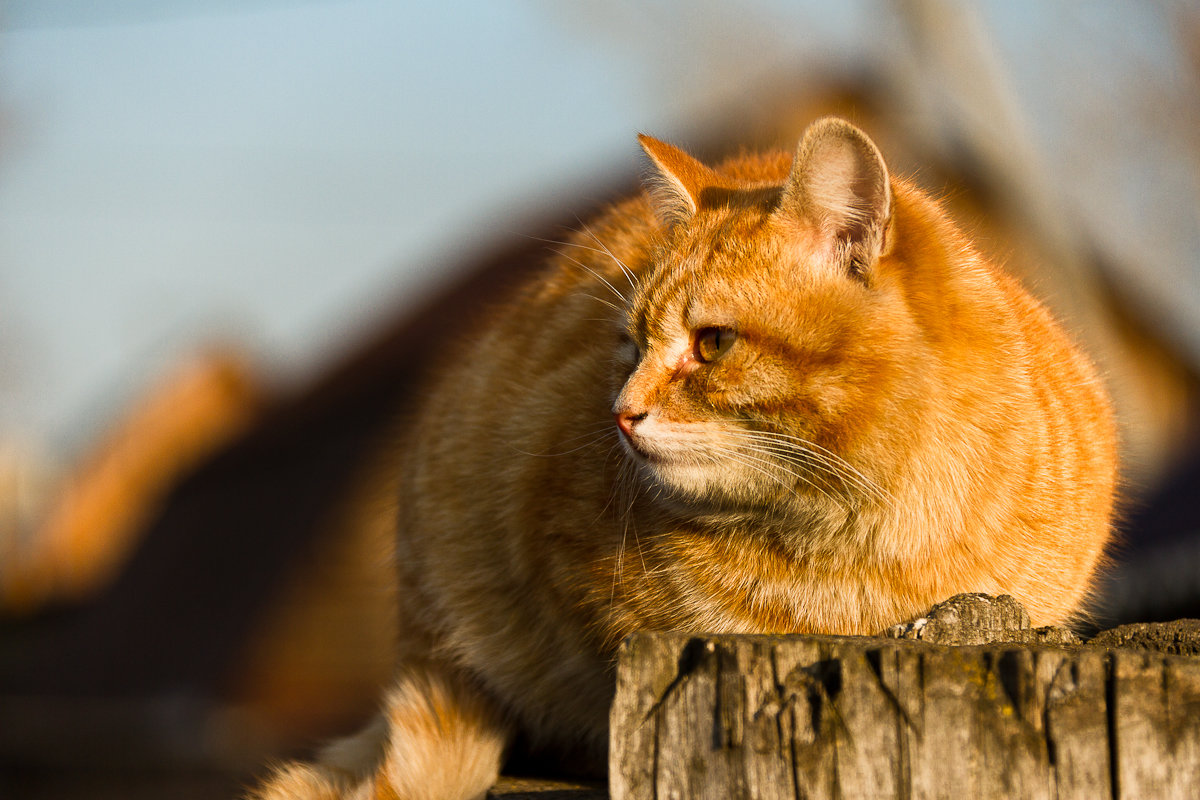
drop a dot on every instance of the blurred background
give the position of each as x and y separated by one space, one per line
232 234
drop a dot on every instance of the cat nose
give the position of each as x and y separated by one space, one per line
626 420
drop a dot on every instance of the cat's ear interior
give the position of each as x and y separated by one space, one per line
674 181
839 192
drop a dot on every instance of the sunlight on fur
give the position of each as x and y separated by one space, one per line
783 394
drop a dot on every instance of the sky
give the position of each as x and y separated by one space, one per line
286 174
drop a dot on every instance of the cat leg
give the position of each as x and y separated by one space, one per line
309 782
446 739
443 740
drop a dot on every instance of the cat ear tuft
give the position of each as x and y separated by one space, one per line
674 181
840 192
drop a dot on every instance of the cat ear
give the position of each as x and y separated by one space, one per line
839 192
675 180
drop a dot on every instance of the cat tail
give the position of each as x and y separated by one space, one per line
438 738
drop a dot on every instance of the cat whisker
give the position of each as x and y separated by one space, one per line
633 283
618 480
777 460
611 305
626 484
595 275
567 243
816 448
849 482
596 425
818 456
635 488
811 460
797 440
602 249
746 460
618 571
592 439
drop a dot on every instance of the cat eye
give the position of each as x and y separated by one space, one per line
629 351
712 343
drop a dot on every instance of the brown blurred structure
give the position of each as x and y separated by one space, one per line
98 514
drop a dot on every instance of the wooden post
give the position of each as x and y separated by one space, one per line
824 717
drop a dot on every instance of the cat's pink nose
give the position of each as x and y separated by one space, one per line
626 420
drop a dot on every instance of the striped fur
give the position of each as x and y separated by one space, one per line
831 413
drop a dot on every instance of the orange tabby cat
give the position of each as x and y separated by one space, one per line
785 395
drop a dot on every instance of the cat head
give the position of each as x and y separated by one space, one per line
761 343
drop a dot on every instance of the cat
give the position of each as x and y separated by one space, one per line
784 394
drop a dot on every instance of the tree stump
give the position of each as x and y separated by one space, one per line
843 717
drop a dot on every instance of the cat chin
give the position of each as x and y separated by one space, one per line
681 476
706 491
725 513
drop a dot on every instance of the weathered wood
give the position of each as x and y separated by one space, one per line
1181 637
816 716
980 619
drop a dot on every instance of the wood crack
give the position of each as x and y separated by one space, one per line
822 717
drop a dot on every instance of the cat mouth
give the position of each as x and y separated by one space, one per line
655 450
637 448
638 454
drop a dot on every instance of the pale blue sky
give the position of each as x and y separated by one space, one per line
284 173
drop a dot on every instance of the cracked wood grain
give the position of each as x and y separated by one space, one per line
838 717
